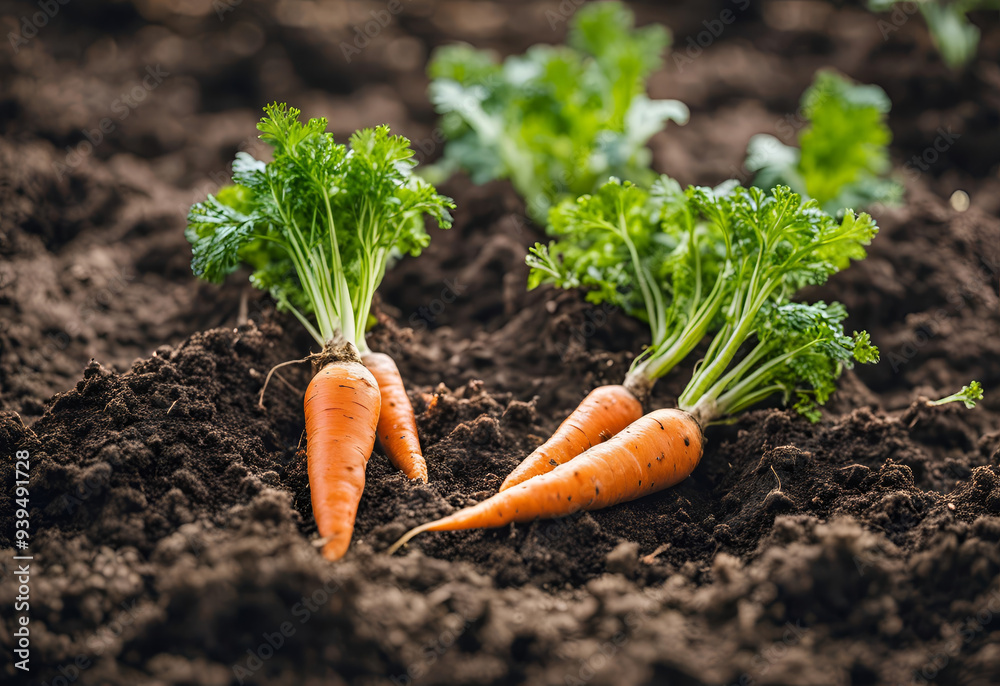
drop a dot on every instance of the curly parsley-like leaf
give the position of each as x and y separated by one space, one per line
843 156
969 396
800 351
778 243
319 224
558 120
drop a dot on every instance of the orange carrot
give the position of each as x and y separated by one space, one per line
653 453
397 426
602 414
342 407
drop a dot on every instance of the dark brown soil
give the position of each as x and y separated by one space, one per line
170 519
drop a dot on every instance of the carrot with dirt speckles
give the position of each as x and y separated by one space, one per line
603 413
335 216
397 425
342 408
653 453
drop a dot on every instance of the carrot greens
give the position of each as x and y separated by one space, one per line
319 224
724 261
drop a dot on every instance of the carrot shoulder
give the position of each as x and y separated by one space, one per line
397 425
602 414
655 452
342 408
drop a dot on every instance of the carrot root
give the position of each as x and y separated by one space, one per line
405 538
342 406
655 452
397 425
601 415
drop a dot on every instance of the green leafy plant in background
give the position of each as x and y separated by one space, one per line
843 156
948 22
558 120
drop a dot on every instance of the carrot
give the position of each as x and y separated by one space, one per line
397 425
602 414
653 453
338 256
342 407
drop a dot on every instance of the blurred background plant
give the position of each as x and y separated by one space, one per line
948 22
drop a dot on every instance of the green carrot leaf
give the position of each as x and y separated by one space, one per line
320 224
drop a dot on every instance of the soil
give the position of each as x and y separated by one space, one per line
171 527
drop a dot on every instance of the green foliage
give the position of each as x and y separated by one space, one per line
728 259
969 395
597 235
778 243
647 252
954 35
558 120
801 351
843 154
319 224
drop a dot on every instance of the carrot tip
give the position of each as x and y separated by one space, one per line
509 482
407 536
329 548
